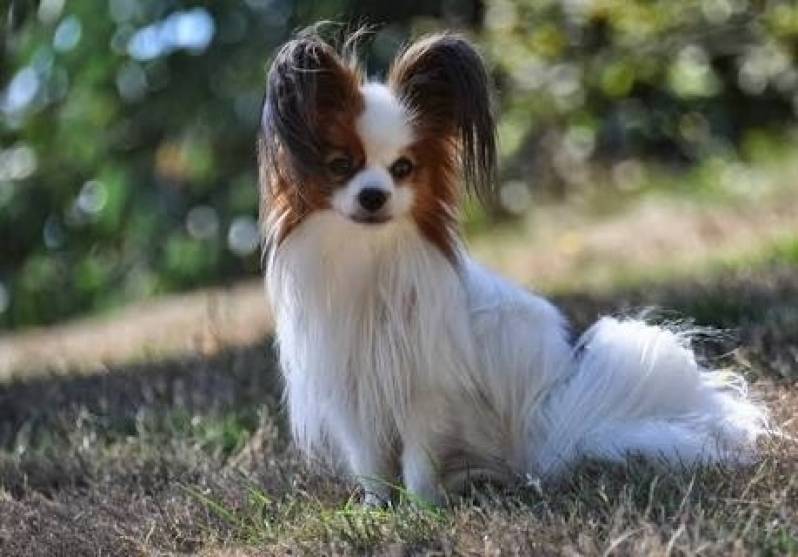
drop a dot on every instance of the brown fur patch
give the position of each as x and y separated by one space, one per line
436 191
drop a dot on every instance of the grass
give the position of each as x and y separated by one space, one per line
190 455
630 509
261 521
655 237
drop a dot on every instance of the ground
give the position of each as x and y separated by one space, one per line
158 429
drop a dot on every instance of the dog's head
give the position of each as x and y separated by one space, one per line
372 152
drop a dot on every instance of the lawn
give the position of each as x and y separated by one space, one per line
159 450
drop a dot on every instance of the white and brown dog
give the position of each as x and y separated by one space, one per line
402 356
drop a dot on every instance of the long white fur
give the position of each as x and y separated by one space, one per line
405 365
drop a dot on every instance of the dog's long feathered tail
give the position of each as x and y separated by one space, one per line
637 389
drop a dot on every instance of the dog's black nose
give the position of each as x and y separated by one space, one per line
372 199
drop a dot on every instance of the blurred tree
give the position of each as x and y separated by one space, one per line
127 126
619 80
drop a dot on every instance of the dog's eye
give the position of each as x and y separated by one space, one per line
401 168
340 166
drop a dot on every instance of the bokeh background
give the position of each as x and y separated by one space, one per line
649 157
127 126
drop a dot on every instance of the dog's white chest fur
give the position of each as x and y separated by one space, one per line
370 324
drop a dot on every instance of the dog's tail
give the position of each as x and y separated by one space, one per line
637 389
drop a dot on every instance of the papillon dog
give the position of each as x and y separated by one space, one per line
404 359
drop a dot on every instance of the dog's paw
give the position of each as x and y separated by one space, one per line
375 500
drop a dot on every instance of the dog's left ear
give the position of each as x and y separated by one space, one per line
442 80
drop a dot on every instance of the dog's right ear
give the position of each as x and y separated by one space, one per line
307 81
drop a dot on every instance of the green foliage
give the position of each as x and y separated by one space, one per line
127 163
616 80
127 143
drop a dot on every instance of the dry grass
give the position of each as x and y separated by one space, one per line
189 456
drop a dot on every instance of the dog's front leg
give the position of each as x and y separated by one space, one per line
372 466
420 470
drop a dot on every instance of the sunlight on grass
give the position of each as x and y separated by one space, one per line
722 215
779 251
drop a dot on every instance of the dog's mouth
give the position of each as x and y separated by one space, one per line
370 219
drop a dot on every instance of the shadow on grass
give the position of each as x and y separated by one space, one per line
755 312
122 397
95 463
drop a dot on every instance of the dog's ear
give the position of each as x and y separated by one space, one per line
443 82
307 81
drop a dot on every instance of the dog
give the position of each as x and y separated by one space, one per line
405 360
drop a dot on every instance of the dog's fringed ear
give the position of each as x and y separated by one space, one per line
307 80
442 80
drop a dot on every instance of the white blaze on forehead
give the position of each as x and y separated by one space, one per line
383 125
